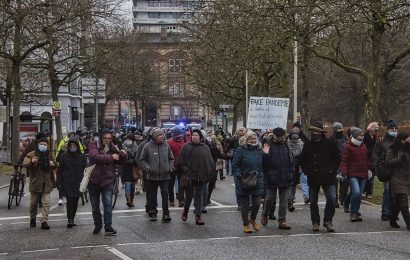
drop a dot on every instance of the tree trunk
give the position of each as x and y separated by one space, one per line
55 86
15 138
235 118
304 69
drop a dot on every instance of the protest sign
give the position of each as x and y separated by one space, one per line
267 113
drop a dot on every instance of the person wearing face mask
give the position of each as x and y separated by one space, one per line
355 166
398 159
370 139
130 147
70 174
41 181
296 146
379 158
319 160
248 157
158 162
278 169
196 160
176 143
340 140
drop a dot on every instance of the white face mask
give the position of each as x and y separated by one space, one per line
356 142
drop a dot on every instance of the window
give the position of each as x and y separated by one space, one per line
177 90
175 113
164 4
153 3
175 65
153 15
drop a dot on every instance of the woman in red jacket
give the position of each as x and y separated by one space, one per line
355 165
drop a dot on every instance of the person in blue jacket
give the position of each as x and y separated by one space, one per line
248 158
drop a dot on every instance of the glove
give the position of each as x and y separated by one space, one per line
339 177
370 174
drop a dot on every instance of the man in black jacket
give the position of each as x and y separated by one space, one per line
320 159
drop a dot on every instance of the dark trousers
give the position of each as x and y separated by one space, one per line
400 204
194 192
343 191
368 188
106 196
71 206
256 202
171 193
330 194
212 182
152 189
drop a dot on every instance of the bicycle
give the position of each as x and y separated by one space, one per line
115 184
16 188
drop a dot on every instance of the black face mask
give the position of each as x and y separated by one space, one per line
339 134
316 137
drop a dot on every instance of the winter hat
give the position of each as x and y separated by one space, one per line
317 126
42 140
177 131
336 126
279 132
391 124
243 141
372 125
157 132
131 137
41 135
199 132
294 134
355 132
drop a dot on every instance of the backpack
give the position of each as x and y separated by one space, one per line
383 173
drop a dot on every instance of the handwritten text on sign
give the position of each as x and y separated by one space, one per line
267 113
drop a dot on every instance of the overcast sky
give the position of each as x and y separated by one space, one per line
127 8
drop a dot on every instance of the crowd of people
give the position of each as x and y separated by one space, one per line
185 165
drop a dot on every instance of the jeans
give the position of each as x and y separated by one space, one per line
291 194
106 196
356 187
35 198
129 187
386 201
256 202
205 195
152 186
304 185
71 206
271 199
228 167
330 194
195 192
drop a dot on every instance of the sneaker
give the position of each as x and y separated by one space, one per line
306 200
353 217
137 193
70 223
359 217
315 227
109 231
283 225
166 219
255 225
329 227
291 208
152 216
264 220
97 230
32 223
385 217
44 225
247 229
60 202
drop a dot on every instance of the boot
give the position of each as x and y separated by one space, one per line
128 197
255 225
131 200
247 229
70 223
184 215
198 220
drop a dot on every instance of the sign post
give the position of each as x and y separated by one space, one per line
268 113
57 108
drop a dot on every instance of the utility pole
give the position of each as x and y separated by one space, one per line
246 97
295 82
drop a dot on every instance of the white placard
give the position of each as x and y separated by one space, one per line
268 113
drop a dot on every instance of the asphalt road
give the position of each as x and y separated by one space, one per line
221 237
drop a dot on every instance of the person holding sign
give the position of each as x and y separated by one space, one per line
278 170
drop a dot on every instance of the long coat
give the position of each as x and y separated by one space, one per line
70 173
245 160
400 180
40 181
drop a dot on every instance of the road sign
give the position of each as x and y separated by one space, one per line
217 121
57 113
57 105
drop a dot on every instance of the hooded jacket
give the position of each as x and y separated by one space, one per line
157 161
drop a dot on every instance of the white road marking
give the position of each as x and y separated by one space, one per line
80 247
118 253
4 186
130 216
86 218
134 244
217 203
4 253
369 203
40 250
18 223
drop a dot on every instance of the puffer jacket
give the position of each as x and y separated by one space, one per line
103 173
247 159
157 161
355 161
278 166
400 180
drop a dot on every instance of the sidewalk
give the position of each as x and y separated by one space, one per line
4 181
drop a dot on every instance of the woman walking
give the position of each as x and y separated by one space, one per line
398 160
195 160
248 159
130 147
70 173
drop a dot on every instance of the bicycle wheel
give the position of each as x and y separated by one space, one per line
115 191
19 190
11 193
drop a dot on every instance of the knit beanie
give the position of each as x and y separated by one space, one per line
391 124
279 132
355 132
157 132
336 126
176 131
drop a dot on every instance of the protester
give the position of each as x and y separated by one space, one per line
195 160
296 145
176 143
278 169
69 176
130 147
42 181
379 159
370 139
356 167
398 160
103 154
320 159
157 161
